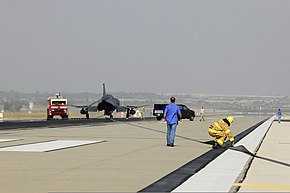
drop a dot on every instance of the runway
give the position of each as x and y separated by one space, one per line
23 124
132 157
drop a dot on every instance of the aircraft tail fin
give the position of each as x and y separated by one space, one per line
104 89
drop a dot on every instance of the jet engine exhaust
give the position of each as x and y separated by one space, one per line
132 112
83 111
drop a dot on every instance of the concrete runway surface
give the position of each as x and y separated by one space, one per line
131 156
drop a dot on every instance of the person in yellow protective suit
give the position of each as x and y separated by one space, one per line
221 130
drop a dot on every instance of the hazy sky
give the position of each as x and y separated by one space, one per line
164 46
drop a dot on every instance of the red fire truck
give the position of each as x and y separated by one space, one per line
57 105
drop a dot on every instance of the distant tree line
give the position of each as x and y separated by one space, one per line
12 106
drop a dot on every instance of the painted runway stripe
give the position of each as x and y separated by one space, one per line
6 140
266 186
49 146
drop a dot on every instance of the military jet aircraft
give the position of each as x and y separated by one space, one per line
108 103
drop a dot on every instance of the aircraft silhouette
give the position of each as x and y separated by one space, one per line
108 104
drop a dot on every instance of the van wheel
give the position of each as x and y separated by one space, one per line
158 118
191 118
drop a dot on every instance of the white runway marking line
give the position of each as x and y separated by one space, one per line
6 140
49 146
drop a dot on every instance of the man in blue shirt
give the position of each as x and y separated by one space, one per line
172 114
279 113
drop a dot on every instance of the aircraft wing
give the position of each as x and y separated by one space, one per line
86 106
97 101
132 106
79 106
121 109
128 107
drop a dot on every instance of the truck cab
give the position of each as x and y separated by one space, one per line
57 105
186 113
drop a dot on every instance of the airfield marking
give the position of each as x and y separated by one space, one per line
49 145
6 140
263 186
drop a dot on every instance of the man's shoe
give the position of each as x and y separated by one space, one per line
168 144
171 145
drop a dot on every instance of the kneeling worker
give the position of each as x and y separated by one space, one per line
220 130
